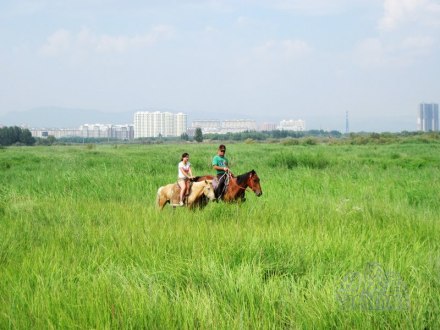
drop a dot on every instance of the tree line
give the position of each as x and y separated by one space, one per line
16 135
274 134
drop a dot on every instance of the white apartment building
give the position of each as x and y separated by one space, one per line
225 126
268 127
298 125
239 125
55 132
181 123
95 130
207 126
153 124
120 132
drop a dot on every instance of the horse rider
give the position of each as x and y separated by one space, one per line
221 164
184 175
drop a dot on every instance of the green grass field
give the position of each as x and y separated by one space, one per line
343 237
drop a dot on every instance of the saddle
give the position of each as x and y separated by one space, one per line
188 189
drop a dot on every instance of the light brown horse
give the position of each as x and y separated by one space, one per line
199 195
237 185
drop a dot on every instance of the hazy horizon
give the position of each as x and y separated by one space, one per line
54 117
264 60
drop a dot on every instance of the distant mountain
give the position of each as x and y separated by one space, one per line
46 117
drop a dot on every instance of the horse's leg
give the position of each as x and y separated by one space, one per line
187 190
163 200
175 195
201 202
159 202
192 198
164 196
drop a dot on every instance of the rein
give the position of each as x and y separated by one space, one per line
225 186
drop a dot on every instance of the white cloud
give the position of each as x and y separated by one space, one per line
64 42
418 45
373 52
314 7
56 44
399 12
284 49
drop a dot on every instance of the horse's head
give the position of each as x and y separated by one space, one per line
208 190
253 182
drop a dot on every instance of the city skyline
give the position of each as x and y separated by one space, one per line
164 124
269 124
313 59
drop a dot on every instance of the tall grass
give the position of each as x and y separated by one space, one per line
83 246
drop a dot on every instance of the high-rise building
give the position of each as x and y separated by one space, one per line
207 126
268 126
119 132
154 124
225 126
239 125
427 119
298 125
181 123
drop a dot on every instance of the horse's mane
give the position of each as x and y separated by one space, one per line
242 178
200 177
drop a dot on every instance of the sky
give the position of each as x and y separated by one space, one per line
234 59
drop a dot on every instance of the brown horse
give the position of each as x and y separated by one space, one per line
199 194
237 185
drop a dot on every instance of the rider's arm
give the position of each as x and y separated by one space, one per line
215 165
220 168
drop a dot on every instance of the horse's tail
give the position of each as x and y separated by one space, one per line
159 192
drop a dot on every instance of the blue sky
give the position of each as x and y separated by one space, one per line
266 60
